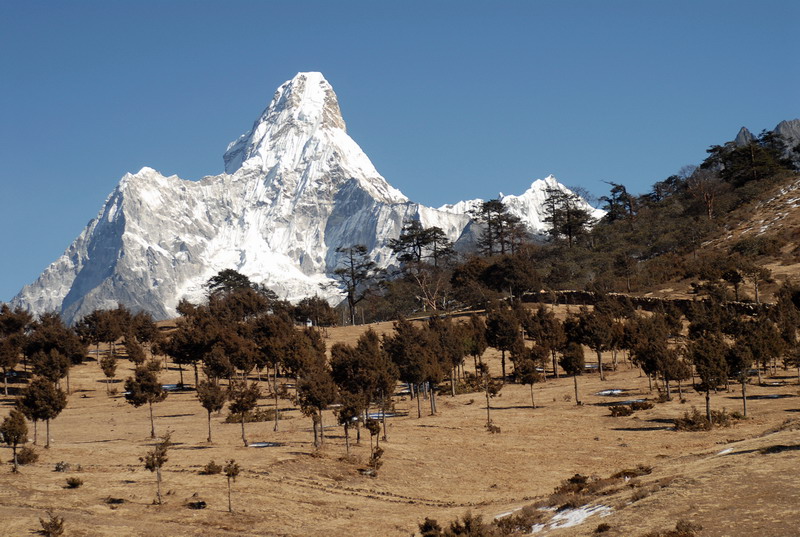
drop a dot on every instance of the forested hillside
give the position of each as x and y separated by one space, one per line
726 228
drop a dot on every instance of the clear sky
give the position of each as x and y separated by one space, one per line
450 99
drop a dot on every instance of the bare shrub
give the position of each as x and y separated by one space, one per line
641 405
629 473
27 455
520 523
683 528
212 468
74 482
257 415
692 421
53 526
618 411
62 467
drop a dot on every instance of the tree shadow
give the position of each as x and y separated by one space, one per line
762 397
653 428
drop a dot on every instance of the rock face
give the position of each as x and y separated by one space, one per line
790 132
296 188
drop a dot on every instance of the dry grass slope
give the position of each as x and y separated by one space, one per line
732 481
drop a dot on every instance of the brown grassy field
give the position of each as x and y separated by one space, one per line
440 466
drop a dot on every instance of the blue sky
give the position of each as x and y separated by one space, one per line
450 99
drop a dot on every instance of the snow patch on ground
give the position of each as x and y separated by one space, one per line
572 517
614 391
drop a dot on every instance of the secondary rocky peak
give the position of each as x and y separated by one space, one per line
744 137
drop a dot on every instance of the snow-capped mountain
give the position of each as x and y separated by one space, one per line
296 188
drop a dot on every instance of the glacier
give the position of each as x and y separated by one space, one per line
296 187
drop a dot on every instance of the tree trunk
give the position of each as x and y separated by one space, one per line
600 365
230 506
68 390
47 432
575 380
321 430
180 369
316 432
533 404
383 416
16 465
158 484
35 432
433 403
152 422
196 374
244 438
503 363
744 396
708 405
5 382
347 437
275 389
758 370
419 405
666 384
209 426
453 382
555 363
488 409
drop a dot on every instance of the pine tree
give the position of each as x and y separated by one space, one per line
315 391
145 388
14 431
13 325
231 471
108 364
355 273
572 361
243 399
155 459
502 332
212 397
707 353
42 400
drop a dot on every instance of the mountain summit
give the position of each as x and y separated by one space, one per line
296 188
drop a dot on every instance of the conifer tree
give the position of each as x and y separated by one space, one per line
739 360
155 459
545 329
707 353
231 471
315 391
526 368
355 273
212 397
243 399
490 387
14 431
13 325
502 332
407 349
108 364
145 388
42 400
572 361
